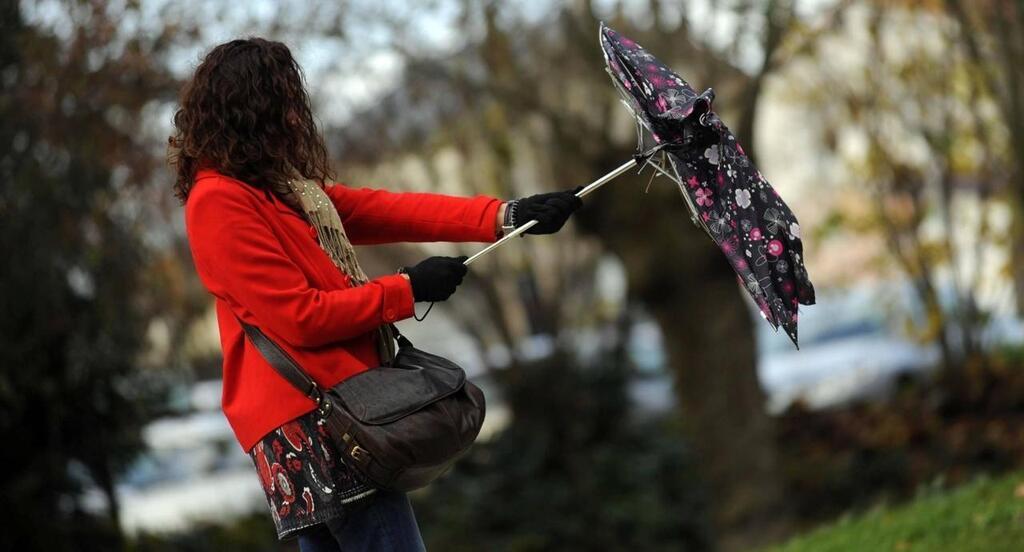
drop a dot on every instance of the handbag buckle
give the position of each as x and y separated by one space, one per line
359 454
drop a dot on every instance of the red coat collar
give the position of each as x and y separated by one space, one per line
262 195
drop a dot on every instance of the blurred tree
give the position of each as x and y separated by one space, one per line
251 533
75 303
525 103
991 33
573 471
913 124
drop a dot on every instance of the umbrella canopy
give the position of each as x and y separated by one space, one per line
727 196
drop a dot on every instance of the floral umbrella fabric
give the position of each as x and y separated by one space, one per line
727 196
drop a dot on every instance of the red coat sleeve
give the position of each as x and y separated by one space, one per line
379 216
239 258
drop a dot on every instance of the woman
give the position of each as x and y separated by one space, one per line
271 241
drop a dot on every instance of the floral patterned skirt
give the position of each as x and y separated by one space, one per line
304 477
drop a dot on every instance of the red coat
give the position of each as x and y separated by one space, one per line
261 262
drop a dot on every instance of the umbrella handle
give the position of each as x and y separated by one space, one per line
589 188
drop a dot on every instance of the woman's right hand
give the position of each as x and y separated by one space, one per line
435 278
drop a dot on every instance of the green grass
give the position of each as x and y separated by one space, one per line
987 515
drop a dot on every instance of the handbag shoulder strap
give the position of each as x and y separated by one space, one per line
281 362
285 365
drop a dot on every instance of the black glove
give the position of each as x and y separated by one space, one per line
550 210
435 278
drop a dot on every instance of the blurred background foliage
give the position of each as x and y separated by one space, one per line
636 400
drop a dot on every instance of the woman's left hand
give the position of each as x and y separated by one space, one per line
550 210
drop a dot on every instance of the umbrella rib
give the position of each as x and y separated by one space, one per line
689 202
661 168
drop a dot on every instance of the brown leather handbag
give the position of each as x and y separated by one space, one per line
401 424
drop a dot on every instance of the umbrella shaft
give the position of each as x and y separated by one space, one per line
519 231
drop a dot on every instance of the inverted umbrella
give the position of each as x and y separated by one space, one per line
726 195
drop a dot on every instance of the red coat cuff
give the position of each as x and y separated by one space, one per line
491 226
398 301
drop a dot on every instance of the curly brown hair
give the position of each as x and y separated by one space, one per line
246 113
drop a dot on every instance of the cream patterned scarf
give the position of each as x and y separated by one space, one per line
309 198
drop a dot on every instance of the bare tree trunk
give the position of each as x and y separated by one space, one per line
687 285
1017 250
104 476
723 406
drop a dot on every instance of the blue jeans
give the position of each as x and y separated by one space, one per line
382 522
